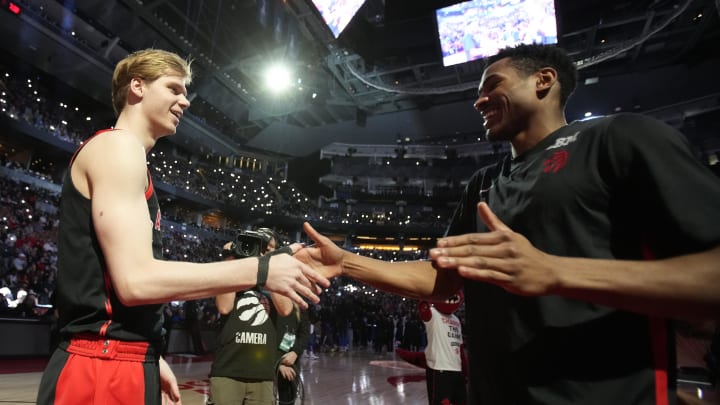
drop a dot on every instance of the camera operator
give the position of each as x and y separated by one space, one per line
244 363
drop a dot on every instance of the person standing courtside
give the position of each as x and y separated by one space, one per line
575 251
294 332
445 351
112 281
246 352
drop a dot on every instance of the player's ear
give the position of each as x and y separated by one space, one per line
545 79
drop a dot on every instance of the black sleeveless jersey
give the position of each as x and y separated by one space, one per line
86 300
618 187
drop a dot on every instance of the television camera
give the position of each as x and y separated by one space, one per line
250 243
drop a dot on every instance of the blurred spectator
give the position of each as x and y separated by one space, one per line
294 333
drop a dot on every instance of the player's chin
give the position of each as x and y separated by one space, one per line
498 131
171 127
169 131
494 133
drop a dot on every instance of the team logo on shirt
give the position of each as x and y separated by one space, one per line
253 308
556 162
564 141
559 159
158 216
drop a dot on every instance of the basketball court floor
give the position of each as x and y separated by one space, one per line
333 378
348 378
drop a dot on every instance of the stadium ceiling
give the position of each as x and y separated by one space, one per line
386 62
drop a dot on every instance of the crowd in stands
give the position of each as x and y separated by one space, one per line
28 250
409 168
24 99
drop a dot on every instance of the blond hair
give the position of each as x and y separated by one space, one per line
149 65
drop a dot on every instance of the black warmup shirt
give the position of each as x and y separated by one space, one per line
247 345
622 187
85 297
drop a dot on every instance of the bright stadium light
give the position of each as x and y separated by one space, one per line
278 78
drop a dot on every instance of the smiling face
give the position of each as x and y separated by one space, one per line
163 101
506 100
148 65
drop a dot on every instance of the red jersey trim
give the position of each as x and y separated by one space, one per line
108 305
150 188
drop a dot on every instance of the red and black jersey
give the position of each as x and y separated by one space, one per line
85 297
618 187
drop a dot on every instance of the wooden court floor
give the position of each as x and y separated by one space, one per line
349 378
333 378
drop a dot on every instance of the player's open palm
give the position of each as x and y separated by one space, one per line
501 257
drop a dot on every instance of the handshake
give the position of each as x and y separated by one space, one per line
295 271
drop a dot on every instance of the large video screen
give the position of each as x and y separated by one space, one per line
476 29
337 13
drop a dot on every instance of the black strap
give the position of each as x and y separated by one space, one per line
264 264
263 267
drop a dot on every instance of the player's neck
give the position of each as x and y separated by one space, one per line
137 128
538 129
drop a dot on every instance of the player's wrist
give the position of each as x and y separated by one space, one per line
263 270
349 263
559 281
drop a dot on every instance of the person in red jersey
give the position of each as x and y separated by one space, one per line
112 282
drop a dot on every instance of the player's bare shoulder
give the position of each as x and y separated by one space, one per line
109 156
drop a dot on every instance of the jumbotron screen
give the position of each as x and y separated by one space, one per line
476 29
337 13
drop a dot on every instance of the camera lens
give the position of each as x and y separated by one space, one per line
248 247
248 244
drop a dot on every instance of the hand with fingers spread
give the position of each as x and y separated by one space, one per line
500 257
